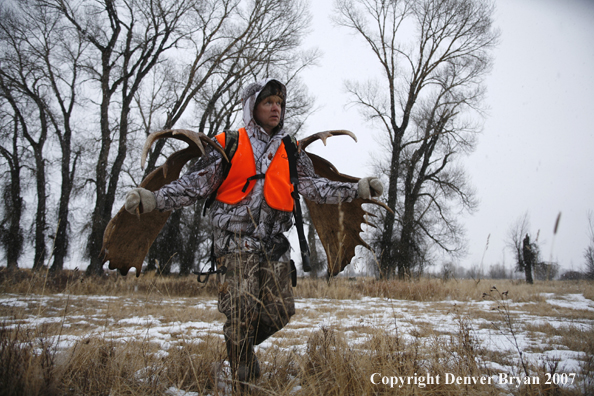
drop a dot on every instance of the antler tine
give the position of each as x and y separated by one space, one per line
149 142
194 139
193 136
364 244
303 143
370 214
380 203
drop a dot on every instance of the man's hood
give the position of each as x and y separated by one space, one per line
250 94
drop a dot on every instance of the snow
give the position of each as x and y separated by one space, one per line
178 392
355 319
570 301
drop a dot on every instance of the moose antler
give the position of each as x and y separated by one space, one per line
303 143
337 225
127 239
194 139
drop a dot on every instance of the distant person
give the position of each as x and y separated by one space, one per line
528 256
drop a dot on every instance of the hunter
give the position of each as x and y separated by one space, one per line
252 210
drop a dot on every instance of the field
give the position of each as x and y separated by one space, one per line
162 336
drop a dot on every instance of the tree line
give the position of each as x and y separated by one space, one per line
433 57
82 83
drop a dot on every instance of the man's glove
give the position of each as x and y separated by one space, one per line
140 198
370 187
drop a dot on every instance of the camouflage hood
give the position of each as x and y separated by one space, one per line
250 98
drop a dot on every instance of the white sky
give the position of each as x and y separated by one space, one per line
535 151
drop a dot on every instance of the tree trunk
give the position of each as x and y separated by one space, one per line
106 198
405 253
167 247
62 239
40 219
528 272
188 252
13 240
13 204
387 259
98 220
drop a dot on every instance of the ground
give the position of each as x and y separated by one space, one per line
504 343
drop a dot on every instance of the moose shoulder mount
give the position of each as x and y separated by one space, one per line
127 238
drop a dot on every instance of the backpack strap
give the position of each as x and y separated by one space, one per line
231 143
292 154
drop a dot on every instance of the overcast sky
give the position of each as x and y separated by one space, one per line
535 154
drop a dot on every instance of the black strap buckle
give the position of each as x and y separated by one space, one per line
203 276
249 179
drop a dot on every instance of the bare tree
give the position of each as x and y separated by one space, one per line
526 252
197 240
110 72
25 91
126 40
546 271
43 63
430 87
226 39
230 50
515 235
232 46
63 68
498 271
11 232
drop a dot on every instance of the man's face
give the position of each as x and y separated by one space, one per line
268 112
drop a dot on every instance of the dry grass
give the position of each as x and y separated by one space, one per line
30 364
328 367
35 361
113 284
435 289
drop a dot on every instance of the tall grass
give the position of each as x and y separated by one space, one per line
328 367
325 363
113 284
31 365
424 289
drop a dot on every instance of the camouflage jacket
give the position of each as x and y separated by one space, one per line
250 225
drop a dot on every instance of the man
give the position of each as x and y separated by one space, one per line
251 212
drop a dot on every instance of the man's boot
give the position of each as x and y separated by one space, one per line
231 355
248 368
243 362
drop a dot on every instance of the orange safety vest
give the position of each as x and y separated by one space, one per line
277 182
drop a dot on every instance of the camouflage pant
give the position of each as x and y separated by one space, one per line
256 297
